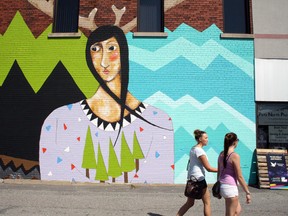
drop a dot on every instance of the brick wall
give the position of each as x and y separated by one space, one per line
198 14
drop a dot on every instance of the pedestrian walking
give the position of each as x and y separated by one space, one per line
196 170
229 172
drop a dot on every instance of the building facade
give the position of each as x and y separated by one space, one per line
271 54
191 66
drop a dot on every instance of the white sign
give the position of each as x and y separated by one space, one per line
278 134
271 77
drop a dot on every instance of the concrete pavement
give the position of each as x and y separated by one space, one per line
34 197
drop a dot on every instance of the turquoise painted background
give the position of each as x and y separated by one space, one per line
201 81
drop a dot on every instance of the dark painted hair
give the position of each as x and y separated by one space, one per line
198 134
229 140
103 33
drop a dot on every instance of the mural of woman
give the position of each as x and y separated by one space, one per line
111 136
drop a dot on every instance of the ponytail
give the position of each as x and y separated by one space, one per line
229 139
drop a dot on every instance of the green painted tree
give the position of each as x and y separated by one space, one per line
89 161
137 151
101 172
114 169
127 159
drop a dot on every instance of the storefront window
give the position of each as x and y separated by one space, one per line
272 125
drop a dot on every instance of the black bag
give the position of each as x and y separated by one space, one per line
216 190
194 188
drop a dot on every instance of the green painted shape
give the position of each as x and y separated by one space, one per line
37 57
137 151
127 159
114 169
89 161
14 44
101 173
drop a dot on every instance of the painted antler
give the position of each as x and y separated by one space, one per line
88 23
44 6
118 13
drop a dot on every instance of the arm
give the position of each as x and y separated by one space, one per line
236 164
206 164
218 172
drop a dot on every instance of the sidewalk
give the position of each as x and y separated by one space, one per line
34 197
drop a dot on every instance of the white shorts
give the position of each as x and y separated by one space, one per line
228 191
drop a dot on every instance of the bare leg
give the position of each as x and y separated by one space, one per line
189 203
231 206
238 209
206 202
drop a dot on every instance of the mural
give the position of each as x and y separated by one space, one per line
84 136
194 78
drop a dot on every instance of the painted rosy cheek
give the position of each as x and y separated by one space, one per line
114 56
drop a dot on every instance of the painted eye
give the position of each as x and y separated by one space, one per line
95 48
112 48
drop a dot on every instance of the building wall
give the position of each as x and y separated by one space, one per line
271 45
271 74
270 32
195 77
268 16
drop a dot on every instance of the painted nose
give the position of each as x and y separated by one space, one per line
105 60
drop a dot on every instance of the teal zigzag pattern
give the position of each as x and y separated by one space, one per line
211 49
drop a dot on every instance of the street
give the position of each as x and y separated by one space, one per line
34 197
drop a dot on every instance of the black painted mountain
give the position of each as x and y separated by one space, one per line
59 89
17 115
22 112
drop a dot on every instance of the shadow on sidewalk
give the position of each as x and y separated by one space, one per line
153 214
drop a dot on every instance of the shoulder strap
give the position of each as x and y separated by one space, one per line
188 165
229 156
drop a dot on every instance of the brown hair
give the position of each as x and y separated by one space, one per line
198 134
229 139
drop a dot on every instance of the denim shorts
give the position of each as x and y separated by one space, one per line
228 191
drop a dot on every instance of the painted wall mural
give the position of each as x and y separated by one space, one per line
83 137
188 80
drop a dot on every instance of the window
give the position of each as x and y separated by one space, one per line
236 16
66 13
150 16
272 125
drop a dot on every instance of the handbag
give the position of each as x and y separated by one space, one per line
194 188
216 190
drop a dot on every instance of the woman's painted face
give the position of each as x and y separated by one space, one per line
106 58
204 139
